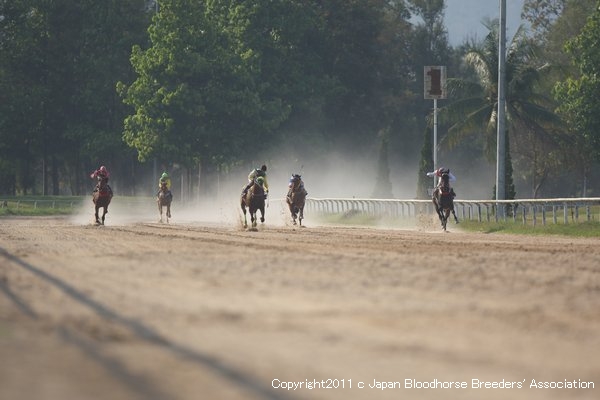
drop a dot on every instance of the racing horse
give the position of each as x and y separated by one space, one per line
443 200
101 197
164 199
254 200
296 198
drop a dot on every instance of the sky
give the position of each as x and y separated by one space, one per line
463 18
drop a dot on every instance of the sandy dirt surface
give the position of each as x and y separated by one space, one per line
186 311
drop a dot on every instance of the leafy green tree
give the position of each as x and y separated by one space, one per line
553 23
197 96
578 94
21 91
367 45
106 34
283 44
58 70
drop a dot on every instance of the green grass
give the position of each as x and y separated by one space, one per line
581 229
38 205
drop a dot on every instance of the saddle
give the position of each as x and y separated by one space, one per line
103 188
167 195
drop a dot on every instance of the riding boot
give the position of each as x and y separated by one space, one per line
245 191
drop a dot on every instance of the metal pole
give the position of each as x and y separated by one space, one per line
501 133
435 126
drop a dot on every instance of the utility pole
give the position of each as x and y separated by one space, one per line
501 133
434 88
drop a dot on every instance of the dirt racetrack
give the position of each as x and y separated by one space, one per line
191 311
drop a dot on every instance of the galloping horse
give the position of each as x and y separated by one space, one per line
164 199
101 197
296 198
443 200
254 199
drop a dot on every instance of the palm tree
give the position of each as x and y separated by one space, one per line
475 110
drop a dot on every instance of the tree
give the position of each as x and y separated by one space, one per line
578 94
430 47
541 15
58 70
474 109
367 52
425 166
383 186
199 93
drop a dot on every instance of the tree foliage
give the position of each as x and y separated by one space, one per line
58 70
578 95
214 84
473 110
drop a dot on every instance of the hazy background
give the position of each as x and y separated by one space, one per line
463 18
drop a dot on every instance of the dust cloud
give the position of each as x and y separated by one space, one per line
333 175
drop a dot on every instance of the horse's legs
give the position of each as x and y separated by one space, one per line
455 217
301 215
97 216
160 211
104 211
438 210
168 212
446 214
262 214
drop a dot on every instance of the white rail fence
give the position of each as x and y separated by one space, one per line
529 211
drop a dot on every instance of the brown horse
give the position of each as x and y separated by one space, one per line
164 199
443 200
254 200
296 198
101 197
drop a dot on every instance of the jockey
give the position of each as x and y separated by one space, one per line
102 175
293 179
262 171
164 179
439 172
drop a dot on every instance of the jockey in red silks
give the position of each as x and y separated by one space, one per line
439 172
102 175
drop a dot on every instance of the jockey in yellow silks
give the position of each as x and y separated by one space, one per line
166 180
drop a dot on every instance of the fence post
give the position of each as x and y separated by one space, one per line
588 214
544 215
